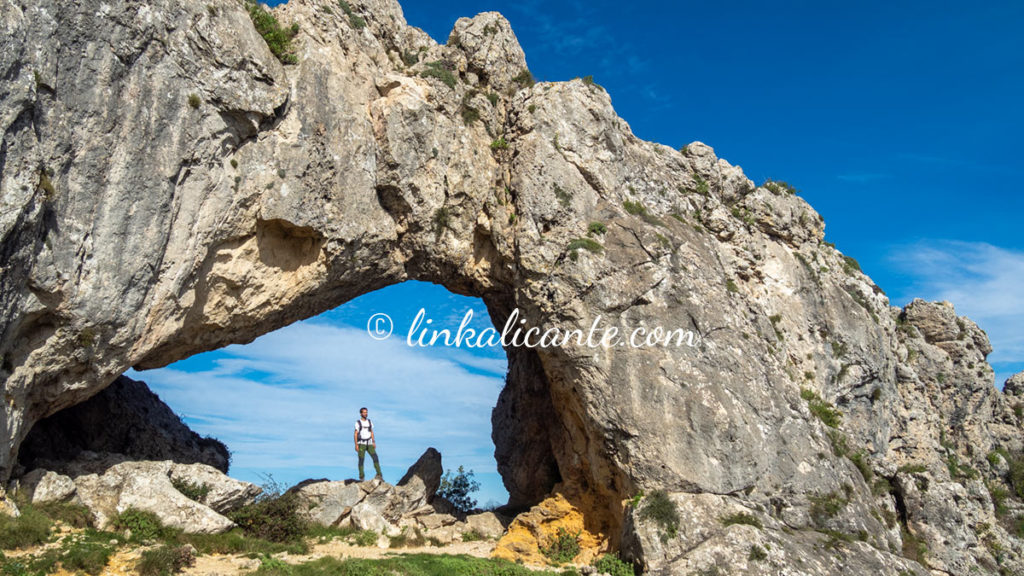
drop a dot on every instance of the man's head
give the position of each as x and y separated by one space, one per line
363 412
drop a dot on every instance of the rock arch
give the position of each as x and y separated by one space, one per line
140 228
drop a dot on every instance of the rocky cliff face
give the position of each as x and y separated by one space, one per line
169 187
126 418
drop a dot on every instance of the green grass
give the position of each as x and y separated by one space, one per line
499 144
587 244
194 101
278 38
31 528
596 228
741 518
83 553
659 508
472 536
364 538
439 69
731 286
74 515
405 564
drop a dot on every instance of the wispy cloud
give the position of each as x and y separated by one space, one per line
288 401
984 282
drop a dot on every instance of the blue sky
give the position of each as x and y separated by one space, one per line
899 122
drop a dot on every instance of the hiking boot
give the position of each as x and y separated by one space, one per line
362 478
378 477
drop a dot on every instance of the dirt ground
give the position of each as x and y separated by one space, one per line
228 565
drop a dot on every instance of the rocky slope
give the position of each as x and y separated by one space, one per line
167 186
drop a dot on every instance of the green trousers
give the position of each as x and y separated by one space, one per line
363 449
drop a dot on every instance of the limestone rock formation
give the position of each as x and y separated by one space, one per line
423 478
374 504
108 486
167 187
539 528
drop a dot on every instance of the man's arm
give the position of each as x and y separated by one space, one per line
373 439
355 439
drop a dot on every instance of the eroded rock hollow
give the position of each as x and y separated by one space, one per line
169 187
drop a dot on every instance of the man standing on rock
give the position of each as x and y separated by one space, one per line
365 442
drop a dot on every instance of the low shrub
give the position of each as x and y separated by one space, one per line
140 524
457 489
276 520
440 70
278 38
741 518
657 506
165 560
191 490
562 548
613 566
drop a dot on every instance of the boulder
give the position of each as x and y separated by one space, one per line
329 503
225 493
487 524
424 477
147 486
42 486
1014 385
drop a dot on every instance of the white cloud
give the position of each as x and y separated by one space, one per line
288 401
984 282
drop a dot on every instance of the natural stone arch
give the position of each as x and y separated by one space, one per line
289 192
143 229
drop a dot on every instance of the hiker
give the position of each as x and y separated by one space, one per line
365 442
